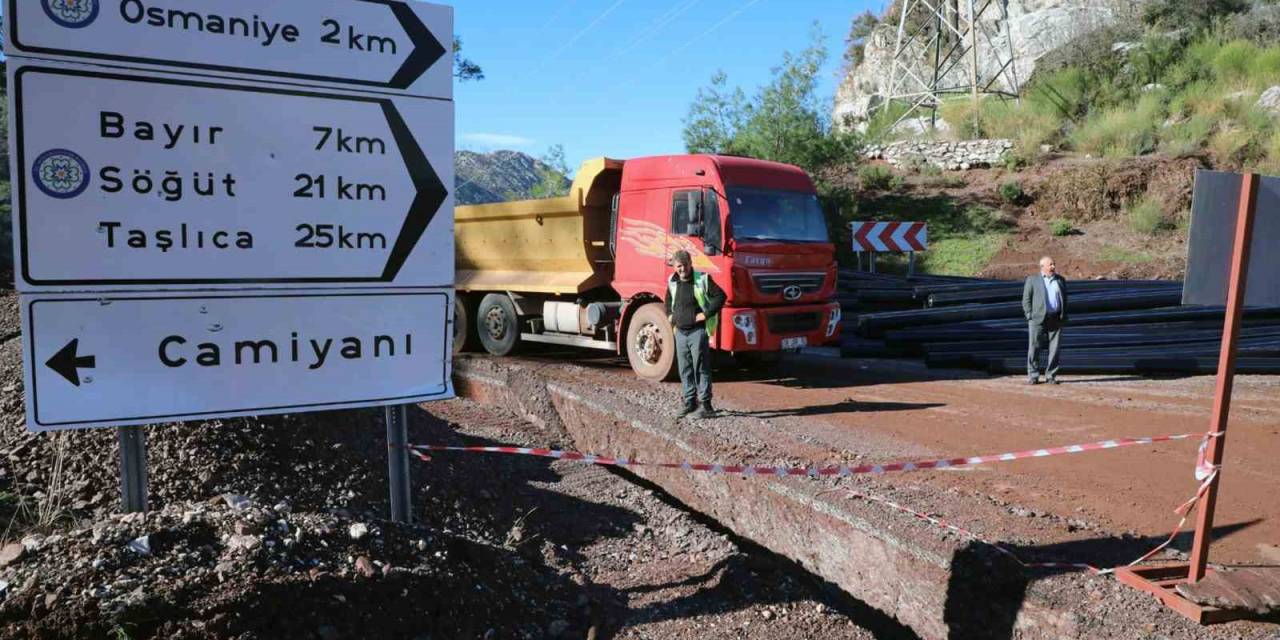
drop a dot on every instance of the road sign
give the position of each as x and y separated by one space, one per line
145 358
890 237
127 179
387 45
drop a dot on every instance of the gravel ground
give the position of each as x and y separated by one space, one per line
274 527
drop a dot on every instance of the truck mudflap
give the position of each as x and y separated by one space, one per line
747 329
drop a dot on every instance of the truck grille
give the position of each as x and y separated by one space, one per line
780 323
774 283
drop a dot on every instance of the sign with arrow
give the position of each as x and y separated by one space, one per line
126 180
376 45
890 237
96 361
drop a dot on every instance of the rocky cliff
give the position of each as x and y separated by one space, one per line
495 177
1034 29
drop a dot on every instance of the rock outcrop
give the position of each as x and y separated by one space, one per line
1034 29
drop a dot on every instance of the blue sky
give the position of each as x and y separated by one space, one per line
609 77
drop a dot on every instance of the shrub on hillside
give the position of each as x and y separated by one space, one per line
1147 217
879 177
1187 137
1122 131
1061 227
1012 192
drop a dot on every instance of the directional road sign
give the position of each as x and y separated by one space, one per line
145 358
379 45
127 180
890 237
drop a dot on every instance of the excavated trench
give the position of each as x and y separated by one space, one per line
937 584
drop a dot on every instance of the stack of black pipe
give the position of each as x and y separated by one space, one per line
1116 326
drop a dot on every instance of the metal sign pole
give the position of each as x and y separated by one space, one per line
398 462
911 265
873 262
133 468
1226 369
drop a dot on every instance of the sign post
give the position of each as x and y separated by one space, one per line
398 462
223 210
133 468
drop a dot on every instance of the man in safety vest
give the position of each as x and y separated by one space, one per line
693 306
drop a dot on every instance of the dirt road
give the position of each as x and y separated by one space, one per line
880 411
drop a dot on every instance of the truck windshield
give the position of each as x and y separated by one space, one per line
768 214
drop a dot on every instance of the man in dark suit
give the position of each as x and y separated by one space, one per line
1044 303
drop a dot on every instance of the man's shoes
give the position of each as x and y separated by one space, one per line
1035 380
1054 380
688 409
705 411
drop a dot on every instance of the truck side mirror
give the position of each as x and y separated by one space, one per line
710 217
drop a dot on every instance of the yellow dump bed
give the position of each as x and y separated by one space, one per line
555 246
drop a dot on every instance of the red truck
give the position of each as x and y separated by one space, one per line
590 269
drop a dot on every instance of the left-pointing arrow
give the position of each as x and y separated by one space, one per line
67 364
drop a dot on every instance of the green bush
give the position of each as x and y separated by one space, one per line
1061 227
1123 131
1012 192
879 177
1188 137
1147 217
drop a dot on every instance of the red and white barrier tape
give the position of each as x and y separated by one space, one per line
1205 472
1185 511
812 471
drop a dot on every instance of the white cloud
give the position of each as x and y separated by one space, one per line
496 140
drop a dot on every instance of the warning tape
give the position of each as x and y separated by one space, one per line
811 471
1185 510
1205 472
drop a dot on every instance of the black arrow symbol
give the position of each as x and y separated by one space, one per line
66 363
427 50
431 192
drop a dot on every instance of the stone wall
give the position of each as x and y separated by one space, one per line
952 156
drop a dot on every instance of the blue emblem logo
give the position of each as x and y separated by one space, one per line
61 174
73 14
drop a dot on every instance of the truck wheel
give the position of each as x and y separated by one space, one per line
498 325
757 360
464 328
651 344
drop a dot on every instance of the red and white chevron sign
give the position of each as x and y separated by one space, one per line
890 237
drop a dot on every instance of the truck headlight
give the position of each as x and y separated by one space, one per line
833 322
746 323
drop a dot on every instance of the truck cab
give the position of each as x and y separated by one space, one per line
591 269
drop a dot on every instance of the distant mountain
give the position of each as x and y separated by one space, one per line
500 176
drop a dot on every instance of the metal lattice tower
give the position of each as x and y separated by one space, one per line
946 48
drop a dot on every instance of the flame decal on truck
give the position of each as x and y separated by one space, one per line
652 240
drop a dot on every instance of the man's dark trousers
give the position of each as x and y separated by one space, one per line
1051 330
693 355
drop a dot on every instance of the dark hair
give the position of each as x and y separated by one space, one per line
682 257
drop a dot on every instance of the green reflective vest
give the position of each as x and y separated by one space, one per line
700 281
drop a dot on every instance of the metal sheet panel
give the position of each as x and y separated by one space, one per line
1213 211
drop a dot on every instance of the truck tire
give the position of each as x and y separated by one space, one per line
498 325
464 324
651 343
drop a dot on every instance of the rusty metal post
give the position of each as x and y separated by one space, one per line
1226 369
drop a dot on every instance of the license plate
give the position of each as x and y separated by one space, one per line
791 344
